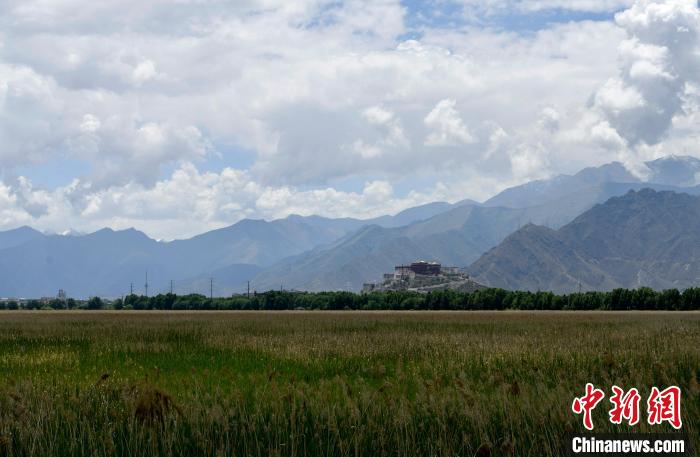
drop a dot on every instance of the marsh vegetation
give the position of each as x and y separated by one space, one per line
327 383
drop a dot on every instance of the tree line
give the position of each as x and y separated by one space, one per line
487 299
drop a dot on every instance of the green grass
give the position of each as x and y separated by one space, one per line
327 383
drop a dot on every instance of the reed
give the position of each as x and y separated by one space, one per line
327 383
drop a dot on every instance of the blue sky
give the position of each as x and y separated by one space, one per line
446 14
176 119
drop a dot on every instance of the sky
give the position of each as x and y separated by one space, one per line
180 116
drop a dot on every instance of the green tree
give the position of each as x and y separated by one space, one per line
95 303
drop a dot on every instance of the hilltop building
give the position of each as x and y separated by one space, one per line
419 268
423 276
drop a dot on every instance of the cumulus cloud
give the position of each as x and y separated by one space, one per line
549 119
265 107
90 124
31 125
660 59
144 71
389 129
447 126
190 201
11 214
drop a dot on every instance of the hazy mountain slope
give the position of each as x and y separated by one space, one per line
11 238
107 262
673 172
322 253
541 191
344 264
562 210
411 215
538 258
456 237
262 243
248 241
226 281
84 265
644 238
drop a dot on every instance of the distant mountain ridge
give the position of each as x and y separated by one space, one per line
673 171
20 235
107 262
313 252
644 238
456 237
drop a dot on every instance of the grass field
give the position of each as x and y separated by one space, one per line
327 383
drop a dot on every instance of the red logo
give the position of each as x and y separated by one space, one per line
587 403
665 406
625 406
662 406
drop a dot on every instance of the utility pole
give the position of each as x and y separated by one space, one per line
132 289
248 290
171 287
146 285
211 289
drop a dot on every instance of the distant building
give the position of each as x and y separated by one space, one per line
419 268
423 276
403 272
368 287
426 268
61 294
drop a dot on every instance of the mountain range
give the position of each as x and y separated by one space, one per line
461 234
110 263
643 238
317 253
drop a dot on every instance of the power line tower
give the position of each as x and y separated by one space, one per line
146 284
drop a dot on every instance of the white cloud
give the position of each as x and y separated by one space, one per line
659 59
144 71
31 121
549 119
190 201
378 115
320 94
366 151
388 129
447 126
90 124
11 215
291 93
